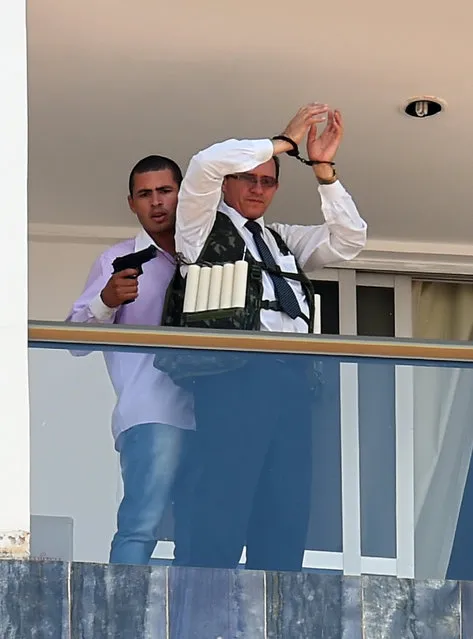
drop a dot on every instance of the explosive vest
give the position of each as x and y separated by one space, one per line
224 245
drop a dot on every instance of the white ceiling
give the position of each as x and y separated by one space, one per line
111 81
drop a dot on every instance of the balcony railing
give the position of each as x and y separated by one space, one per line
391 440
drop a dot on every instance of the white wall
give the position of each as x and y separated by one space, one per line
74 468
57 273
14 466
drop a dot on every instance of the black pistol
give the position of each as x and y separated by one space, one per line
135 261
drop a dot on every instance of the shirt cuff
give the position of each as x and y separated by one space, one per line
101 311
333 191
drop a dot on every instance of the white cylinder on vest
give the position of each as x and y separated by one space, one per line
239 284
203 290
227 286
215 287
192 286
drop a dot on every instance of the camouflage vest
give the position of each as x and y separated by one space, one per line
223 245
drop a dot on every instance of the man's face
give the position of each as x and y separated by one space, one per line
251 193
154 201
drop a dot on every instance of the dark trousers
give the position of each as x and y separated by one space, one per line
254 456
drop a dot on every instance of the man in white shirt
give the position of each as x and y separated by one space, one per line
254 425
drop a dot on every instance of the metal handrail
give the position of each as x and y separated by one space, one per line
63 334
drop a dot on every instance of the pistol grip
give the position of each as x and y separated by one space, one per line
134 277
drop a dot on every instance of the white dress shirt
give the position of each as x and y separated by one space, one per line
341 237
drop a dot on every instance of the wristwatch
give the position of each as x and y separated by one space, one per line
331 180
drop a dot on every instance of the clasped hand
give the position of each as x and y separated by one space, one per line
320 148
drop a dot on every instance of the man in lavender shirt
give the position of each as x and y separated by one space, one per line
153 420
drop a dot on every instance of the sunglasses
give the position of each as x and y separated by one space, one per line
249 179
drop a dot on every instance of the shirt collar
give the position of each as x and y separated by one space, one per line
238 220
143 240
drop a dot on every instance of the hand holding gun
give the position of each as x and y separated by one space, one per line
122 287
134 260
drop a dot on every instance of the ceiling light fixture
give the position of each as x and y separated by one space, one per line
423 106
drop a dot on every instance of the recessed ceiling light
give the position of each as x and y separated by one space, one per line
423 106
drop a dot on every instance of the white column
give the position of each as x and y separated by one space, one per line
14 410
405 470
350 448
349 428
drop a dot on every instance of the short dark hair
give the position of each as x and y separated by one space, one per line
277 162
154 163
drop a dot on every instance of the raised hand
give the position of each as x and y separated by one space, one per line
307 116
324 147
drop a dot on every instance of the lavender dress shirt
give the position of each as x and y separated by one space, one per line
144 394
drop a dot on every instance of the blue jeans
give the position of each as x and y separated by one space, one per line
150 459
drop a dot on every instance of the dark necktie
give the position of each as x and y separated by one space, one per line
284 293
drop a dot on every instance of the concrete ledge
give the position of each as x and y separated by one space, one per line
91 601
